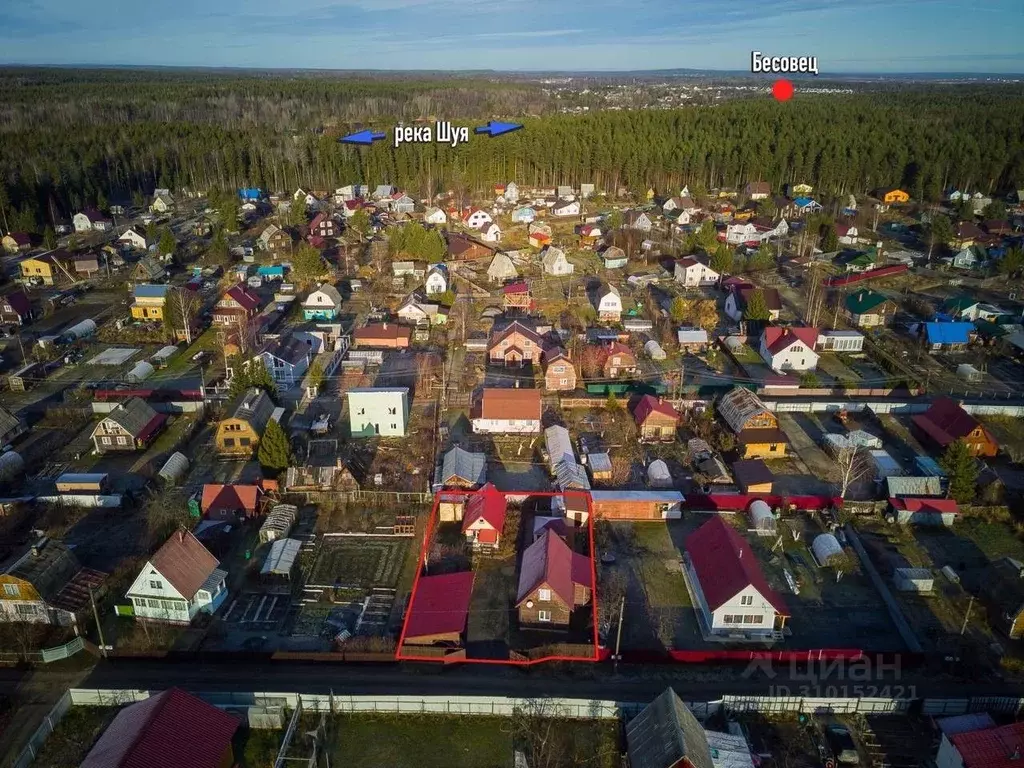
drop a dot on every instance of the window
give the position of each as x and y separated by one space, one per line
122 440
747 600
544 595
394 426
106 441
12 590
773 448
731 619
156 584
229 442
153 603
244 442
543 615
392 411
24 609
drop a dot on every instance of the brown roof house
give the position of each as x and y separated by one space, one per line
382 336
756 428
620 361
508 411
666 735
559 372
553 581
149 733
16 309
656 419
516 344
240 432
43 583
130 426
237 305
179 582
946 421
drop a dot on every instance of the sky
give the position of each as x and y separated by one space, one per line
862 36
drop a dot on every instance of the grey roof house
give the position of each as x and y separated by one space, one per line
461 469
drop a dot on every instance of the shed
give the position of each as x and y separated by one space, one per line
924 511
174 468
654 350
281 558
600 465
140 372
72 482
753 476
913 580
278 523
825 547
658 475
929 467
451 507
637 505
885 465
761 518
164 354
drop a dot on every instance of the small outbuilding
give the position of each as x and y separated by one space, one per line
439 609
658 475
281 558
753 476
825 548
278 523
924 511
654 350
174 468
762 521
140 372
913 580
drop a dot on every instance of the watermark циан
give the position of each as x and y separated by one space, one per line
864 677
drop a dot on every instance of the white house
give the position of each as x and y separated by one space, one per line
566 208
134 239
489 232
162 203
437 280
609 304
435 216
85 221
287 359
416 313
772 230
511 193
790 349
638 220
477 217
508 411
378 411
501 268
742 232
848 234
181 580
402 203
733 599
693 271
555 262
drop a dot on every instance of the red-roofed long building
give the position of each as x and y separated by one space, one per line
172 729
553 580
439 609
1001 747
733 598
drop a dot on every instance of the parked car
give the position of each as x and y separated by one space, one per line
841 742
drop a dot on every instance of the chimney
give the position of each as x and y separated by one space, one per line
385 326
181 534
517 384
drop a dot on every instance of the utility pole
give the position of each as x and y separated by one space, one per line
967 615
99 627
618 636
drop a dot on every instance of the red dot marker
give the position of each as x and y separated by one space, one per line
782 90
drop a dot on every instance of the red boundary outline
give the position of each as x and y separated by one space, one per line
421 562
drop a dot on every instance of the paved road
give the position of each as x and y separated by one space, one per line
633 683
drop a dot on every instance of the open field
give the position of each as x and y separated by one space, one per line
74 736
358 562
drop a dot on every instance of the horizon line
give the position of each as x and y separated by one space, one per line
521 71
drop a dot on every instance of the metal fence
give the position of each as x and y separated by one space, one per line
42 733
46 655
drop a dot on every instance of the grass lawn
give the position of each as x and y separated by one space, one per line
426 741
182 362
995 538
73 737
1008 432
831 365
745 354
659 566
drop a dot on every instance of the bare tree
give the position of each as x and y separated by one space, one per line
853 464
183 306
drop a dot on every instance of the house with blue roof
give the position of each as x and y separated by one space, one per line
524 214
250 193
805 205
149 302
947 336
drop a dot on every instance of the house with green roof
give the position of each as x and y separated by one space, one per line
867 308
961 308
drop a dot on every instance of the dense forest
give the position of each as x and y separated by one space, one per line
69 139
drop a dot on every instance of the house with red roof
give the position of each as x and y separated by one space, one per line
236 306
171 729
656 419
790 349
517 296
516 344
732 597
694 271
230 502
323 226
484 517
553 581
946 421
991 747
439 609
910 510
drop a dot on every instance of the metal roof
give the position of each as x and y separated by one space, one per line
948 333
655 496
461 464
281 557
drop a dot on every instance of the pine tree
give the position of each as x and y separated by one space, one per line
274 452
830 239
49 238
722 260
962 469
757 307
167 243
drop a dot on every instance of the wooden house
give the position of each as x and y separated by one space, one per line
946 421
619 361
131 426
515 345
44 583
484 518
239 434
655 419
756 428
553 581
559 372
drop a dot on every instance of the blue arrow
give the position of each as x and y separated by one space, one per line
362 137
496 128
